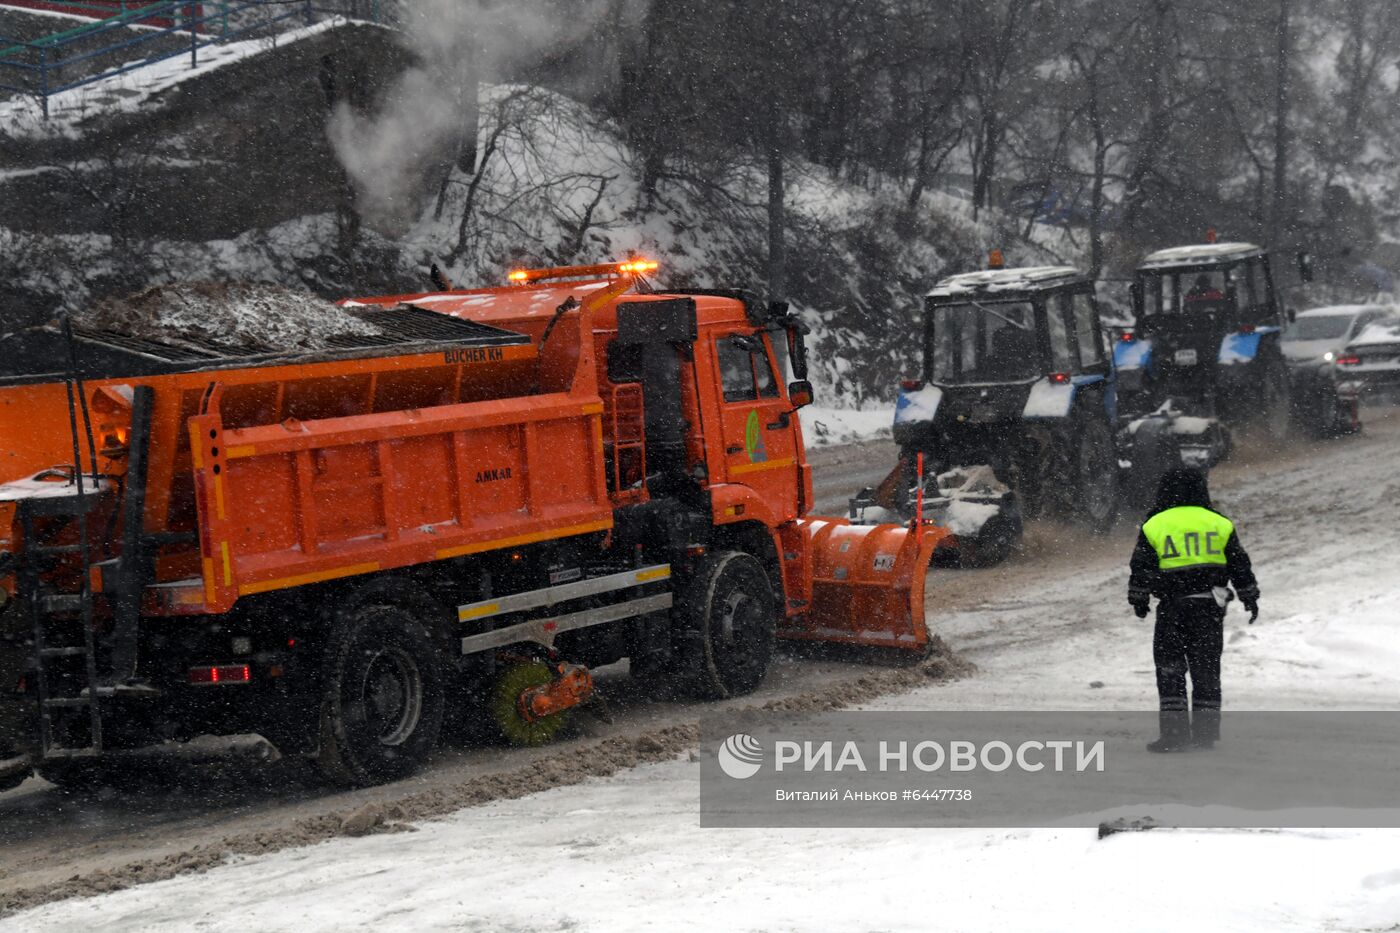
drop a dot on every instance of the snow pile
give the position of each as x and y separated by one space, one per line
823 426
243 317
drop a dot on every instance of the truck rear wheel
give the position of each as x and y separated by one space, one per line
381 699
731 616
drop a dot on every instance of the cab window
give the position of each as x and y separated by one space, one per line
763 374
1248 286
1086 331
735 371
745 370
1057 313
1163 294
1204 290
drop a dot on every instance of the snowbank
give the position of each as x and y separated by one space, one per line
823 426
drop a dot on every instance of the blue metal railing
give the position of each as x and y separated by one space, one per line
43 60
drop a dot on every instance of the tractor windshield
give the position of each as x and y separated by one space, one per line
978 341
1185 292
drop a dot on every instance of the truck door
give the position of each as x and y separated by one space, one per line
758 425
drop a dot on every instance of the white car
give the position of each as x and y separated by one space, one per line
1319 335
1325 401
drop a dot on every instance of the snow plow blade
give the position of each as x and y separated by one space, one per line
867 584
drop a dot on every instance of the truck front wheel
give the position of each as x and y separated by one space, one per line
381 697
730 615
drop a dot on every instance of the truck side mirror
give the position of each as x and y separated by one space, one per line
800 393
1135 298
797 349
1305 266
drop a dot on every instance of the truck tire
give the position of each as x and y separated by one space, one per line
729 616
1097 473
381 697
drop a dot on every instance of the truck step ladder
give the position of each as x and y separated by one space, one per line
55 691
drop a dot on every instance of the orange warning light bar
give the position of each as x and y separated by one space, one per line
632 267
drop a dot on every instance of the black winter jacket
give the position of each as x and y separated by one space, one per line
1187 487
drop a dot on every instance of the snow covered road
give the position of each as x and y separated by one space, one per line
1051 630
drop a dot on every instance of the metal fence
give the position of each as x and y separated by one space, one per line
134 35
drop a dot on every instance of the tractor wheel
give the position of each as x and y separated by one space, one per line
1154 453
1056 481
992 545
1275 414
504 705
382 698
1327 421
729 615
1098 476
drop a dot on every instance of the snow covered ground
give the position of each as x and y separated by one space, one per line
627 853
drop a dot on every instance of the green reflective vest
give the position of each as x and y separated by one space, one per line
1188 536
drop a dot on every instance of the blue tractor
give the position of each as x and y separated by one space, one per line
1204 359
1014 416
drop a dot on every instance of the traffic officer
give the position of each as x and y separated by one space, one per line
1186 555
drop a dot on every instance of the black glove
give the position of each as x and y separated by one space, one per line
1140 609
1252 607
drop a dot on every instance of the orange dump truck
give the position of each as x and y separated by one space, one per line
456 519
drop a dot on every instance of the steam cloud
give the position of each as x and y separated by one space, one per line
457 43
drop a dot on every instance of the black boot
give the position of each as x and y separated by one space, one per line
1205 728
1175 726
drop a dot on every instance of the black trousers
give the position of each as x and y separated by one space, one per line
1189 639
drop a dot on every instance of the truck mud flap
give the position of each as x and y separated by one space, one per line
867 584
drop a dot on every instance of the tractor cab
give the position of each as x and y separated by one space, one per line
1206 337
1004 342
1012 416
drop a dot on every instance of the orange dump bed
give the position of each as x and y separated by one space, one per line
283 473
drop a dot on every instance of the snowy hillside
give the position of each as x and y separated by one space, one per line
554 183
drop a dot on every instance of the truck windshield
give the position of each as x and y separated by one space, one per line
984 342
